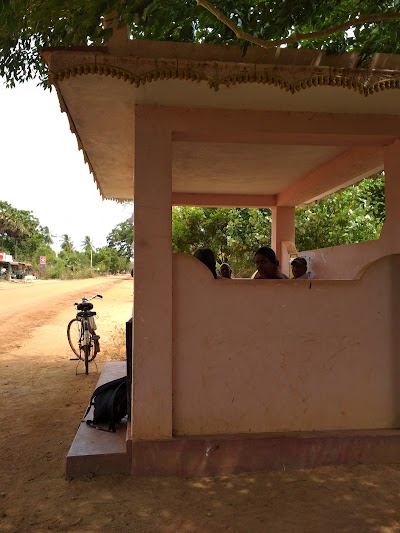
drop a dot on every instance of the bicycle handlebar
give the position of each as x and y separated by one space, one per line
84 299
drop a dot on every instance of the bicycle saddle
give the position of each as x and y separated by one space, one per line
85 306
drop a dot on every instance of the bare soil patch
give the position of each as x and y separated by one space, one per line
42 402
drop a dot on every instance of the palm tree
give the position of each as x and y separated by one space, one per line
87 246
44 230
14 222
67 245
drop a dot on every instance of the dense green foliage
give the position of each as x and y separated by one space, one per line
121 239
354 215
233 234
22 237
28 26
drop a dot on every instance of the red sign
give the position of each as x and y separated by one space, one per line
2 256
42 260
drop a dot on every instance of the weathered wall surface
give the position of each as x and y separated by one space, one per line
343 262
256 356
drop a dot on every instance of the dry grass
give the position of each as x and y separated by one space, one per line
115 349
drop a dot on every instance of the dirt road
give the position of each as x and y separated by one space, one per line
42 401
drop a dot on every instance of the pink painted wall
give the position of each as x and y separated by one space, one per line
343 262
257 356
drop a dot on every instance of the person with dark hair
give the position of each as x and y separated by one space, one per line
299 268
267 264
225 271
207 256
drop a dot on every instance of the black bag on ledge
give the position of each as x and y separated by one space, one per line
110 402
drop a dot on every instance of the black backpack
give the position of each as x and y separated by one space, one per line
110 402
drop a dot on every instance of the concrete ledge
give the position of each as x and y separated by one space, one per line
222 455
100 452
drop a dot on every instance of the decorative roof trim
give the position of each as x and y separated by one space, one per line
64 109
364 82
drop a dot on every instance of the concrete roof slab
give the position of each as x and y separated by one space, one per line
99 91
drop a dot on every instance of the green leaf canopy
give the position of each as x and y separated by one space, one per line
28 26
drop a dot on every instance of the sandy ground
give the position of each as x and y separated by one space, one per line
42 402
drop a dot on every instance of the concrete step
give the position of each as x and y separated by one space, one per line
100 452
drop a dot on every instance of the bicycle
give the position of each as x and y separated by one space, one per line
81 333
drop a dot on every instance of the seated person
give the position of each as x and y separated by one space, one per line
299 268
207 256
267 264
225 271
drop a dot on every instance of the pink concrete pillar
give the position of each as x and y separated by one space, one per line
391 228
283 230
152 328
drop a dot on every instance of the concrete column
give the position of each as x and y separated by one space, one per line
152 329
282 230
391 229
118 44
390 237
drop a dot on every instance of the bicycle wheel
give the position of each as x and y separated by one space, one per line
91 351
75 337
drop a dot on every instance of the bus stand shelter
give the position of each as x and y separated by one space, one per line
244 376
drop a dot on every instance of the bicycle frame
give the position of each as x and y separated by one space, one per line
84 325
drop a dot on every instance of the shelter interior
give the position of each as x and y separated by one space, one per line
180 124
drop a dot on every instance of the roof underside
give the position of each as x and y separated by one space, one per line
297 138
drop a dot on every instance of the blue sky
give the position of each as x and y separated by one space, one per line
42 170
